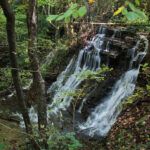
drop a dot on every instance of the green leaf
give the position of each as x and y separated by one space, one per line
141 14
132 16
68 13
137 2
132 7
75 14
73 6
124 11
120 9
82 11
60 17
67 19
52 17
127 3
2 146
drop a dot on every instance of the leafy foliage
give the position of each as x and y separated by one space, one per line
2 28
2 146
63 141
4 84
91 1
94 75
141 92
47 2
131 12
136 96
73 12
56 59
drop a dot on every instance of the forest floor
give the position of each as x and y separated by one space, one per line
130 132
11 136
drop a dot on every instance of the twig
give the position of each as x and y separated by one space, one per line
110 23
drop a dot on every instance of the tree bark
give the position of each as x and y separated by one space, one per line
10 27
38 82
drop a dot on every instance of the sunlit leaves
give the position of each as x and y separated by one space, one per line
91 1
132 7
47 3
131 16
131 12
82 11
52 17
120 9
94 75
124 11
74 6
137 2
73 12
66 141
60 17
2 146
75 15
68 13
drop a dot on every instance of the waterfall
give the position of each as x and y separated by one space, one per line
100 121
88 58
105 114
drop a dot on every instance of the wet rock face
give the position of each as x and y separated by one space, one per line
99 91
52 74
109 47
117 45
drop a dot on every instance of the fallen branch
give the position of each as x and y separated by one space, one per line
111 23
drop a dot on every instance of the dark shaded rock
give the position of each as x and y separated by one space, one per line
99 91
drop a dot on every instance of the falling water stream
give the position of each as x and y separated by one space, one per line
87 59
105 114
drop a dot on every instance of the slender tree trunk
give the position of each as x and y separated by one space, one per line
10 27
38 82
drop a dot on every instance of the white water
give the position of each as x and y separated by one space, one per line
88 58
105 114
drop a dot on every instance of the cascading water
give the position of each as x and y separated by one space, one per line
105 114
88 58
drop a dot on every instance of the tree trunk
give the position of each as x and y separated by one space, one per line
10 27
38 82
